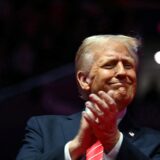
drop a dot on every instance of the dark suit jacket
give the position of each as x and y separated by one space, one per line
46 136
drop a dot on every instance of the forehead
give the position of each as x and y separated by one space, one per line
111 49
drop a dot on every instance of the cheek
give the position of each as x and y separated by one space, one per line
132 76
98 79
103 77
132 89
107 74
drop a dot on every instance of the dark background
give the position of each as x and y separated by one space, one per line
38 42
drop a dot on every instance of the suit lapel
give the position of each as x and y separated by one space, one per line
129 129
70 126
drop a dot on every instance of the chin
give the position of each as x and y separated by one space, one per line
123 103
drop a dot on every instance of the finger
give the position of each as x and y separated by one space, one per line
93 110
100 103
106 112
91 122
94 115
90 114
107 97
100 118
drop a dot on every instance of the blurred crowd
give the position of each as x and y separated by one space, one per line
37 36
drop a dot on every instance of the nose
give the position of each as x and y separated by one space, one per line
120 70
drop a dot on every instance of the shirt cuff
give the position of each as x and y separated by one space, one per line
66 152
110 156
113 153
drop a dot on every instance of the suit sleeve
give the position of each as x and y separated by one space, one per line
32 148
131 152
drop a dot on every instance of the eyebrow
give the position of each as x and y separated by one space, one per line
112 58
124 57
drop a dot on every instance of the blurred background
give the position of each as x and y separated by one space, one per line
38 42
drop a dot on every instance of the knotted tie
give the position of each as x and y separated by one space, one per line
95 152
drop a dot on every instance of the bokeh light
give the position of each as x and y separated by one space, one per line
157 57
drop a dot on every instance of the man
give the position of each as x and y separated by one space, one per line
106 75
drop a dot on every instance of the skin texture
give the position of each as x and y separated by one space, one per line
111 84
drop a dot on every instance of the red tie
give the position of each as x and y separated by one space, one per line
95 152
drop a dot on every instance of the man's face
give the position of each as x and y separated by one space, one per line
114 69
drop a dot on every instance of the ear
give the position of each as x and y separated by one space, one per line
83 80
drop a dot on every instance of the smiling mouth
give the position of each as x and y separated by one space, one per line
118 85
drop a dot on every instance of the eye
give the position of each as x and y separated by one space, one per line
109 65
128 65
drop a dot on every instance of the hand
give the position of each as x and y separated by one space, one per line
83 140
103 118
